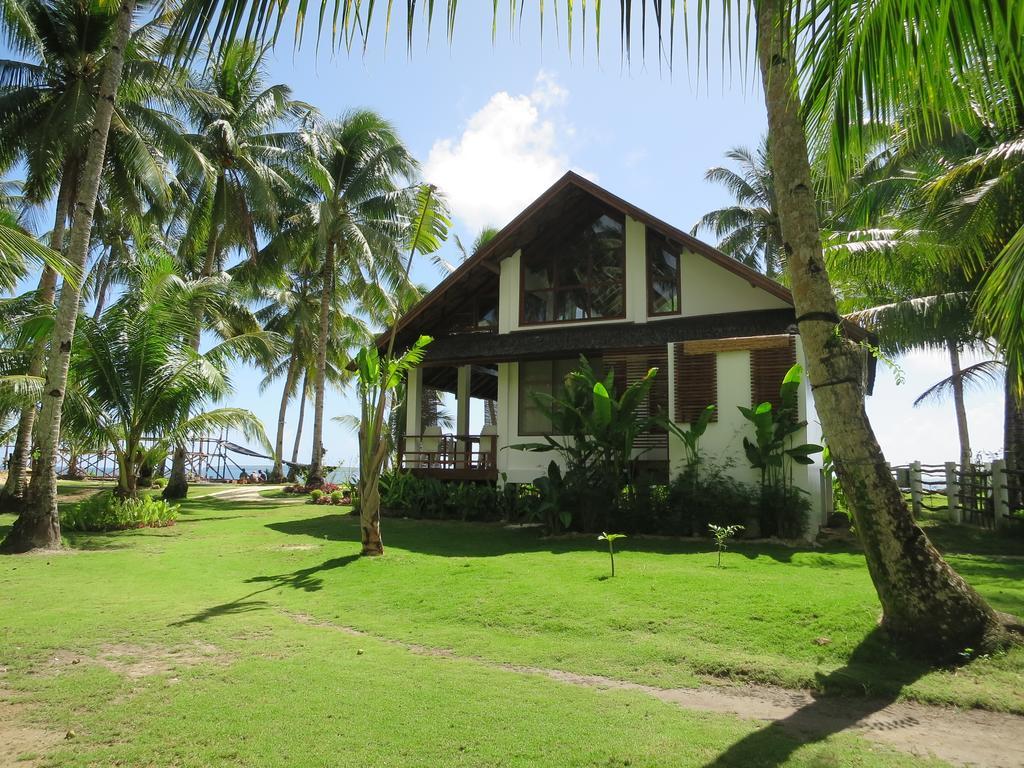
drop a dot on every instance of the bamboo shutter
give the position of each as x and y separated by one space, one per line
631 365
696 384
768 367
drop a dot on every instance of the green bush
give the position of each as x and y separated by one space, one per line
428 498
106 512
336 497
315 495
160 482
784 511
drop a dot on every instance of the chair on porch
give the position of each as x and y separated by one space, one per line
430 446
488 446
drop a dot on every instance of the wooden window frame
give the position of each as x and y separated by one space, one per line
551 258
667 245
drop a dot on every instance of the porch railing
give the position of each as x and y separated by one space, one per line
449 453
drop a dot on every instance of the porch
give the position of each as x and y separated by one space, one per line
459 449
460 458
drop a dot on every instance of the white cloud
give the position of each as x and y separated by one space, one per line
509 152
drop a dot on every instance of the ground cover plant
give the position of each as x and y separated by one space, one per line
244 597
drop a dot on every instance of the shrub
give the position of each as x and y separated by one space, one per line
160 482
784 511
696 501
431 499
106 512
336 497
315 495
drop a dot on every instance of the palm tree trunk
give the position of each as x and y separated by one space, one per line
39 524
11 496
316 469
924 602
958 404
101 288
277 473
302 416
177 483
1013 439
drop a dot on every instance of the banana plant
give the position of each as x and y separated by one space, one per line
774 431
690 438
594 430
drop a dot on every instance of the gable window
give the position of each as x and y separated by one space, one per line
662 276
578 276
544 376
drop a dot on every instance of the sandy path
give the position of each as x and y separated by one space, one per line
963 737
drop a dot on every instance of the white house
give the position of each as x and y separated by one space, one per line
581 271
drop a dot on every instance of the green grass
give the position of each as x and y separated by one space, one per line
274 691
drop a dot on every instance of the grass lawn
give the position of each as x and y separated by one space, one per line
217 642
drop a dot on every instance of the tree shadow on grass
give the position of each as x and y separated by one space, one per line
828 714
304 579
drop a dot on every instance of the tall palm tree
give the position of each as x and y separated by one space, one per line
359 209
47 105
749 229
241 140
293 312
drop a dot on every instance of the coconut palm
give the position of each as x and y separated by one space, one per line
47 107
293 312
358 213
134 373
749 229
241 143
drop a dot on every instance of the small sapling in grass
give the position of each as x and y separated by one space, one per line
722 534
610 538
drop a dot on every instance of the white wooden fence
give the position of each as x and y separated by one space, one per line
978 494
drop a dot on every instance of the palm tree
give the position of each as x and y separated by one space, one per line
359 213
749 229
47 105
238 175
134 373
293 313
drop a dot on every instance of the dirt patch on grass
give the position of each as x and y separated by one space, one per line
22 743
138 661
974 738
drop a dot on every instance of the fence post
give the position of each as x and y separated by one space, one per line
916 488
953 493
1000 493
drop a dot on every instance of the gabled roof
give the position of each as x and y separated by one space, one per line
571 189
566 190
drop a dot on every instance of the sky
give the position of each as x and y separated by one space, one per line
495 125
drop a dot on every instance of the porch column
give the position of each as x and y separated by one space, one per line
413 410
462 412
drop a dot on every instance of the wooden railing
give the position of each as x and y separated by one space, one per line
459 457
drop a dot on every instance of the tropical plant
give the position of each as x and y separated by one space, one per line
359 217
722 535
380 375
237 174
134 374
106 511
690 439
774 430
749 229
611 538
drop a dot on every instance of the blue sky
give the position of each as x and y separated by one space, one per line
495 125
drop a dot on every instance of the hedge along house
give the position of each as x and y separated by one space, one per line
582 272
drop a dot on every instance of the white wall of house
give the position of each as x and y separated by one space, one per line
708 289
